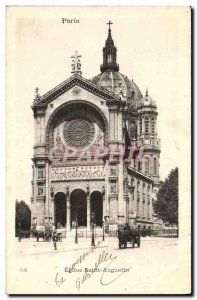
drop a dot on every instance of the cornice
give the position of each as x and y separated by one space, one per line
71 82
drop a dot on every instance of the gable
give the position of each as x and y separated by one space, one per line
75 80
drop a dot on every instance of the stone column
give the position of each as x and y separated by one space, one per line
42 130
111 125
155 126
52 210
116 126
143 126
88 207
88 213
138 128
67 209
68 213
121 202
106 203
47 195
120 126
52 203
35 130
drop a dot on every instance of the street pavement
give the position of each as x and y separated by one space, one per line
155 267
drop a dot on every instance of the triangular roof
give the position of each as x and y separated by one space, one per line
71 82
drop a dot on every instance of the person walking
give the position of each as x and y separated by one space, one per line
55 240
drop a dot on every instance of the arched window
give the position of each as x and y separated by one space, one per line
140 126
139 166
143 190
155 166
147 171
152 126
146 125
138 186
109 58
148 194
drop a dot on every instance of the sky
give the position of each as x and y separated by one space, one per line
153 48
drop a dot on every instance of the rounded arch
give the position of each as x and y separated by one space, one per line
138 185
132 181
60 209
155 165
95 191
63 110
96 207
78 206
59 191
147 164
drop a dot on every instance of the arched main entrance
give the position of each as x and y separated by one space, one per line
78 201
60 209
96 201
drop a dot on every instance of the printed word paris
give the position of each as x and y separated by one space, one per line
65 20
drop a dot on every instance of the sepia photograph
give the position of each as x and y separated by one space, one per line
98 112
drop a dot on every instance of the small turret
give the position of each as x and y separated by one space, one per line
109 54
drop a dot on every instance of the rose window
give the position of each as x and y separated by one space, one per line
78 132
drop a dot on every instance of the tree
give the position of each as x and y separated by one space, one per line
23 216
166 206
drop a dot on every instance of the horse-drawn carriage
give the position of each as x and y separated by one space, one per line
43 232
128 235
46 233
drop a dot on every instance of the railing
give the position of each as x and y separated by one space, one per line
165 232
108 233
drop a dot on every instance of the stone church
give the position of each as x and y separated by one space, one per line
96 150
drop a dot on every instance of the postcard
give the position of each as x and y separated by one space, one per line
98 113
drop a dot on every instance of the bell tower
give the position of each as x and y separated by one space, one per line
109 54
147 139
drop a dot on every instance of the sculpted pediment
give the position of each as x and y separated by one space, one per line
70 83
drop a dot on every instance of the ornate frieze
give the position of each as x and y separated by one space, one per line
70 163
80 172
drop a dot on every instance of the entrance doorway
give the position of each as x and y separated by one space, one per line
60 209
78 202
96 201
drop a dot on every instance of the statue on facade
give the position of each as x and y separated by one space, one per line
113 187
76 64
88 189
40 191
52 190
67 190
113 170
40 173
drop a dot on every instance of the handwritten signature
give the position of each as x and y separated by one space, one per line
103 257
106 277
59 280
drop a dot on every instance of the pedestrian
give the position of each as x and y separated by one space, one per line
55 240
19 235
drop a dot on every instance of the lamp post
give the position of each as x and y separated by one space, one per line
93 241
76 224
103 230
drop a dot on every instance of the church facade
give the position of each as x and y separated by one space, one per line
96 150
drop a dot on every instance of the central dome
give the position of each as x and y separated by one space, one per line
112 80
120 85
